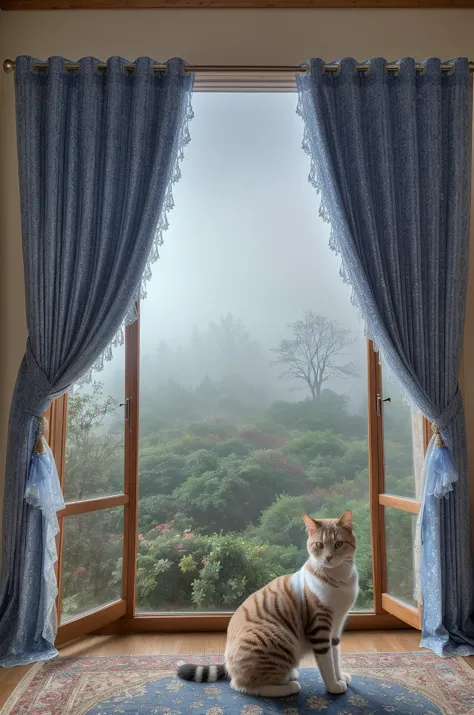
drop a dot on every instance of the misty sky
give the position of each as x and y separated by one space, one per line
245 236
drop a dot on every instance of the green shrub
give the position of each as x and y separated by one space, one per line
316 444
186 571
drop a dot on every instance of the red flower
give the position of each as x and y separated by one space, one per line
164 528
79 571
140 537
180 546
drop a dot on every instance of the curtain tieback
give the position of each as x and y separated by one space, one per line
449 413
441 470
35 391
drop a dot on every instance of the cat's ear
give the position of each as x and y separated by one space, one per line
312 526
346 520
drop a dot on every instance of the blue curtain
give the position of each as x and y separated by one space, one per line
391 156
98 152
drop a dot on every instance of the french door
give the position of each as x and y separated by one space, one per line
396 488
99 533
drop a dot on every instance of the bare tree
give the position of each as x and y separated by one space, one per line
313 355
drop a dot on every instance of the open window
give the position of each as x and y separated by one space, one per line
400 437
187 463
93 438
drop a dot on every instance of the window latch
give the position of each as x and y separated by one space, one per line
381 399
126 404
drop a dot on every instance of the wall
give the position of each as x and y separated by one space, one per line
201 37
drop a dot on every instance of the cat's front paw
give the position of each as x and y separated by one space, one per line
347 677
340 686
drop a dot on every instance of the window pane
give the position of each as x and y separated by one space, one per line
400 535
92 566
95 435
398 440
235 445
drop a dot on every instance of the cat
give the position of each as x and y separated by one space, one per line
291 616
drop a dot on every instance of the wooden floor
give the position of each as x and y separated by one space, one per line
143 644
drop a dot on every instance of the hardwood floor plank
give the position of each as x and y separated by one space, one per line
5 692
404 640
361 642
215 643
12 676
83 647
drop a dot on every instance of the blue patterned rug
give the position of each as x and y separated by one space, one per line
175 697
400 683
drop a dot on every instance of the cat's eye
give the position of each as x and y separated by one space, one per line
338 544
319 545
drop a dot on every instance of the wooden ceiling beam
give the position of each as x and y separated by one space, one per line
230 4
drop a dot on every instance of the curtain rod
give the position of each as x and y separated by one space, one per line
9 66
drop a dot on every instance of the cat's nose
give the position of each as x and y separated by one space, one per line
328 558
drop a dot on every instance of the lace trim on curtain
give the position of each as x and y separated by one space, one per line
163 225
317 182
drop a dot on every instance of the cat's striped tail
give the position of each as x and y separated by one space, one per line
202 673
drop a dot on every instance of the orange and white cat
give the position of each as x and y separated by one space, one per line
291 616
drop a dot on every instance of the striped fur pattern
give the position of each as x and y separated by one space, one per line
202 673
305 611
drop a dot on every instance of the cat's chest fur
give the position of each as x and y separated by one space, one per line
337 590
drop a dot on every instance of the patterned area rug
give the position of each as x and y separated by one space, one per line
411 683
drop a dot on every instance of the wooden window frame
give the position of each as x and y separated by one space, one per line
121 616
379 499
56 435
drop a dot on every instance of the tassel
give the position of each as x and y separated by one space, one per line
41 466
441 465
40 442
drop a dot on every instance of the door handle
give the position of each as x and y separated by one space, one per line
379 405
381 399
126 404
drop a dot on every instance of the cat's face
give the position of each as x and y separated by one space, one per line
331 542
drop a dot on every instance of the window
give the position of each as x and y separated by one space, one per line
404 432
244 396
92 526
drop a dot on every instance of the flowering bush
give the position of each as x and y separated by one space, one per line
203 572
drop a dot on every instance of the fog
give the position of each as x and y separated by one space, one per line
245 239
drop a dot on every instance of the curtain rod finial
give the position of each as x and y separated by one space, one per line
8 66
